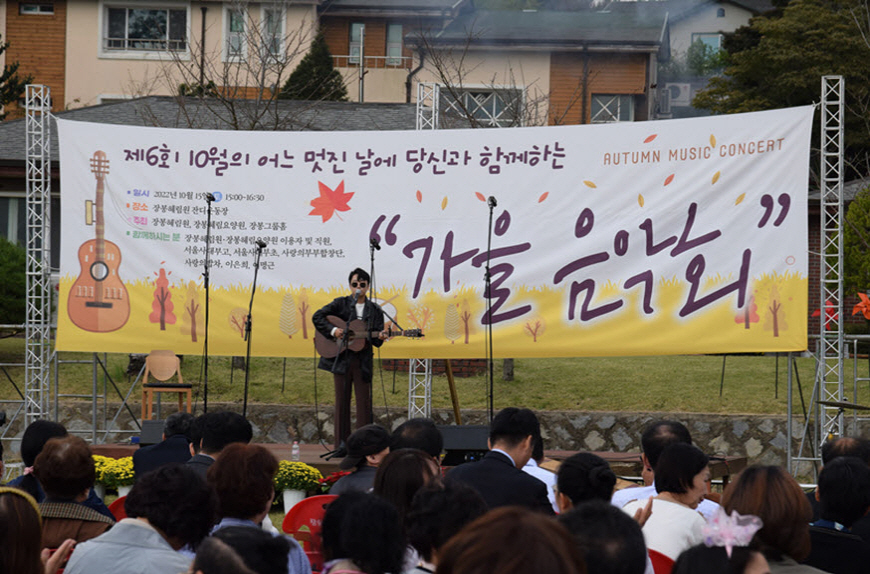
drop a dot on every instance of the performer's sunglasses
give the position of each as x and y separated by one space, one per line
360 284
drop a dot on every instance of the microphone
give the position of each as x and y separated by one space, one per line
375 243
209 197
260 244
357 293
491 201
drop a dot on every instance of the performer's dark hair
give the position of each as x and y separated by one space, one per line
361 274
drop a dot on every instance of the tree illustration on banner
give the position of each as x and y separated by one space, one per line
329 201
774 319
287 318
535 327
161 306
749 314
191 320
465 317
304 308
421 316
237 319
452 327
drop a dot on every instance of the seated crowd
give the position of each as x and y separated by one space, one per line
201 501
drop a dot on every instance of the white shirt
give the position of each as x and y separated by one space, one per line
671 528
545 476
622 497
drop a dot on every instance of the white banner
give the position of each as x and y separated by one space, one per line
679 236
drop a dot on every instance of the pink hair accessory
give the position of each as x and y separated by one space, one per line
730 531
28 470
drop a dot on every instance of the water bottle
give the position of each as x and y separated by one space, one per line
294 452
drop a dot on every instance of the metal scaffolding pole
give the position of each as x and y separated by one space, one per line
37 356
428 100
830 372
420 370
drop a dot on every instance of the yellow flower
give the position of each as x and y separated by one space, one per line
296 476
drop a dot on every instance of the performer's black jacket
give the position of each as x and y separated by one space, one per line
345 309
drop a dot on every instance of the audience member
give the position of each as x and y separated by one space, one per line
702 559
174 446
65 469
167 509
401 474
242 478
610 541
261 552
533 468
497 476
835 448
35 436
657 436
583 477
20 534
361 535
511 540
438 511
420 434
366 449
214 556
681 480
844 497
218 429
196 434
772 495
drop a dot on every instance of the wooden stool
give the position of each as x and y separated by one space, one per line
162 365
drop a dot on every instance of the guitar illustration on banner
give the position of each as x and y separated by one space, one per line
98 300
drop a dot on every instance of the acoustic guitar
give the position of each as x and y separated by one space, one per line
98 299
355 337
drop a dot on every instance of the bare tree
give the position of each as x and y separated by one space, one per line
236 84
501 100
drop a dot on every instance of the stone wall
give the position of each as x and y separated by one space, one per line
761 438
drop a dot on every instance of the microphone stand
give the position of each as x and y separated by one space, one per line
260 245
487 276
209 198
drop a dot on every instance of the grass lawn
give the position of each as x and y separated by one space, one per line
666 384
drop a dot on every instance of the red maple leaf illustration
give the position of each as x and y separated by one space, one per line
329 201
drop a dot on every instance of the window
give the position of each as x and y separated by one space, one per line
713 41
236 23
273 32
143 29
720 13
394 44
357 33
13 223
44 8
609 108
497 108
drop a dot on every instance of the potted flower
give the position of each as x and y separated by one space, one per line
100 463
118 474
294 480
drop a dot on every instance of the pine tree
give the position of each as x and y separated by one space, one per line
11 85
315 78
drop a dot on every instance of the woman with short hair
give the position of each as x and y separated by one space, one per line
65 469
681 480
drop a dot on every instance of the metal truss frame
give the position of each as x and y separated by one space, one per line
428 102
829 383
37 357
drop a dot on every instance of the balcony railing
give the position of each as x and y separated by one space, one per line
373 62
144 45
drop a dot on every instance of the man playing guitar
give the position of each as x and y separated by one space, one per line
352 370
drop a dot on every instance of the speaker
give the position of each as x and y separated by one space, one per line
152 433
464 443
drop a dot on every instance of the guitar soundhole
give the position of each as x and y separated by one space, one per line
99 271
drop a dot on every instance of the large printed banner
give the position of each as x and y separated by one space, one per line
648 238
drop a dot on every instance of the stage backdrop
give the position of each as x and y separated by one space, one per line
647 238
